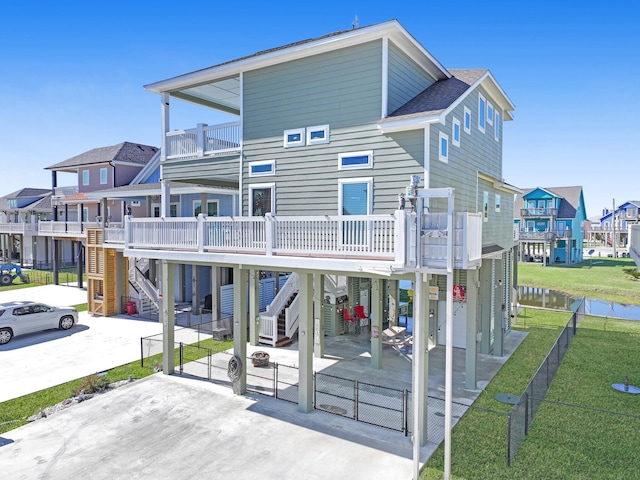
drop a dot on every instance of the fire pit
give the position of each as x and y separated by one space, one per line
260 359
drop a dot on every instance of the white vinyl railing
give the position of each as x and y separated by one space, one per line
204 140
467 241
78 229
23 228
292 315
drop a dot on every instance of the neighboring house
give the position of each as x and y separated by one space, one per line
20 213
73 211
550 224
192 282
336 143
615 226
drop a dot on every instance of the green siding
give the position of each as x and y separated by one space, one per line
342 88
406 78
220 170
307 177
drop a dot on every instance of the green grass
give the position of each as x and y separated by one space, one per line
564 441
14 413
44 277
603 279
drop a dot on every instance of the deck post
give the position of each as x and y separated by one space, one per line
240 277
305 339
254 307
377 310
167 316
318 326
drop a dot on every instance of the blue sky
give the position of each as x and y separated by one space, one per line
73 74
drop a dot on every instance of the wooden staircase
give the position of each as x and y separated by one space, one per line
283 340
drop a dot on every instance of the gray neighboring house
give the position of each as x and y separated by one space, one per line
356 155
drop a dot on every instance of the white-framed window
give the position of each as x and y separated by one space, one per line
212 208
294 138
485 207
467 120
355 160
455 132
85 214
262 199
318 134
156 209
85 177
490 113
497 203
261 169
496 128
355 196
173 209
482 112
443 150
103 176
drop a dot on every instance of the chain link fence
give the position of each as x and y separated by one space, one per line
525 410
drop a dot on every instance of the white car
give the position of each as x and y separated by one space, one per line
18 318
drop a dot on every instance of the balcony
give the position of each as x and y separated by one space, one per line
388 241
538 212
70 229
19 228
203 141
544 236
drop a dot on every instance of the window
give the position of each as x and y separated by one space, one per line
85 214
489 113
173 210
496 128
482 112
85 177
455 132
444 147
317 135
103 176
497 203
467 120
355 160
355 198
260 169
262 199
485 208
212 208
294 138
197 207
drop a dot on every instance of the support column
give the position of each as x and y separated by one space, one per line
499 309
240 277
215 296
377 310
471 350
167 316
394 297
318 325
305 340
80 263
195 289
254 307
56 261
420 366
121 274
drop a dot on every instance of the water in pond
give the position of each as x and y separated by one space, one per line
540 297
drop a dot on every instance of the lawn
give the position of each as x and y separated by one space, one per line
576 433
603 279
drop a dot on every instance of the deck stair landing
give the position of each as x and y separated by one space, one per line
279 323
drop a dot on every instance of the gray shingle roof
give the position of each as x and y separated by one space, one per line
125 152
439 96
39 194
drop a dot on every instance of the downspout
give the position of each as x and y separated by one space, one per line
241 160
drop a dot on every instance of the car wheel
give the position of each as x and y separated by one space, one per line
5 279
66 322
5 335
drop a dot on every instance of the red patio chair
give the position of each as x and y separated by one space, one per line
350 320
362 317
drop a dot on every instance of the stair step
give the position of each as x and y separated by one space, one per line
284 342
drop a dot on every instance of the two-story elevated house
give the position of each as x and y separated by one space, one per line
20 212
613 227
73 211
358 155
549 224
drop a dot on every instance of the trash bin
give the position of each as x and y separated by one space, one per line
131 308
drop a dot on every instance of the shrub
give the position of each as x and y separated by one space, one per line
91 384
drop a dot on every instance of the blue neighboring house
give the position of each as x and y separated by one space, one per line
616 224
549 224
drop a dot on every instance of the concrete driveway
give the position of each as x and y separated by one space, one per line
41 360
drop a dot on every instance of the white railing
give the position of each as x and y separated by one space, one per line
204 140
292 315
114 235
269 318
78 229
65 191
391 238
23 228
467 240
